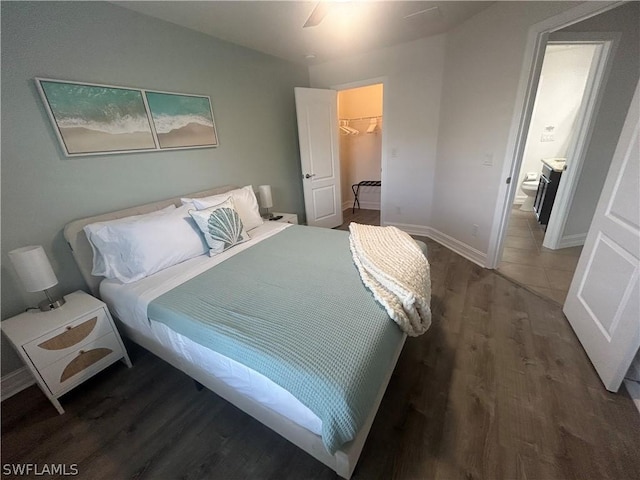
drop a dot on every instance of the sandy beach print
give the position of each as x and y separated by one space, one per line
182 120
192 134
95 119
83 140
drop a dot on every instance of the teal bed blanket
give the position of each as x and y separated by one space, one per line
294 309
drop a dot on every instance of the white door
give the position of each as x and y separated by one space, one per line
317 112
603 303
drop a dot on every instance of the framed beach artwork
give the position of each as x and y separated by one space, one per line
182 121
91 119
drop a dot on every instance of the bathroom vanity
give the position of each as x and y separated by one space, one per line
547 187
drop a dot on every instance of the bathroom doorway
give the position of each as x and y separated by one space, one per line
360 129
589 158
571 77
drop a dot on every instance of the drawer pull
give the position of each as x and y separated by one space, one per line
84 360
72 336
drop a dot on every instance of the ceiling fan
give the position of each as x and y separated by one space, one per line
317 14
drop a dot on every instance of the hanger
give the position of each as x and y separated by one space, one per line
346 129
373 124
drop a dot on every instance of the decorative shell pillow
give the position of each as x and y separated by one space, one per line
221 226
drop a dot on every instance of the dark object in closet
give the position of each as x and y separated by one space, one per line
546 194
356 190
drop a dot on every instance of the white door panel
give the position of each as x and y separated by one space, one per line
603 303
620 210
319 155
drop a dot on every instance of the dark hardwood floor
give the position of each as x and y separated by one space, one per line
498 388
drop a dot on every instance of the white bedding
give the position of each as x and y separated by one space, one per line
129 302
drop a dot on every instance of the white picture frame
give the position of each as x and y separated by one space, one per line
99 119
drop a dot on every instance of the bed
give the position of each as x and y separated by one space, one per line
144 311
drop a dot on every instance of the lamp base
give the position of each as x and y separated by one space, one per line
267 215
48 304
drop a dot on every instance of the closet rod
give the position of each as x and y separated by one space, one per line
361 118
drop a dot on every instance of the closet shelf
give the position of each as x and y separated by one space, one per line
360 118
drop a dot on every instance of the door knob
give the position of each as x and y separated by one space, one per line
309 176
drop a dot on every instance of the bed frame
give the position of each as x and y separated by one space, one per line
343 462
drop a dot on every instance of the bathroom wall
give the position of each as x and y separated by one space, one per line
562 83
361 154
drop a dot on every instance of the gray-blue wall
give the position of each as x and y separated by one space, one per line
42 190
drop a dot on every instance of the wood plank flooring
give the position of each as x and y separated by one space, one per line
498 388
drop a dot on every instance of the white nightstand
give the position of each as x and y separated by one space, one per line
66 346
286 217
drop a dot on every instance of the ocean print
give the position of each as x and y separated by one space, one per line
97 119
182 120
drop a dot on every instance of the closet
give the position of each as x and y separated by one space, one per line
360 127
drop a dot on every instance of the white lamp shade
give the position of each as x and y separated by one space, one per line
266 201
33 268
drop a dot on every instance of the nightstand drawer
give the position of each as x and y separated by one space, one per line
68 339
82 364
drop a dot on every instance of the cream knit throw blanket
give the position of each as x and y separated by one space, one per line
396 271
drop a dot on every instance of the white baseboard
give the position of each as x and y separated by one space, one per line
412 229
572 240
461 248
369 205
15 382
634 391
519 200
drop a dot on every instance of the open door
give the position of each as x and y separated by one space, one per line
603 303
317 112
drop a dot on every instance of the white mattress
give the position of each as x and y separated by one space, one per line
129 302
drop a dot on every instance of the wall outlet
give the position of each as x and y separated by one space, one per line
394 152
474 230
488 160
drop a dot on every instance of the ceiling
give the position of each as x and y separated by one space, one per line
275 27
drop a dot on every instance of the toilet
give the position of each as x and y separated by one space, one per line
530 188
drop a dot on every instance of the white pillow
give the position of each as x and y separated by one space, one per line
245 202
221 226
136 249
99 266
209 201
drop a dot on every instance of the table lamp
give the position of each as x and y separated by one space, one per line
35 272
266 200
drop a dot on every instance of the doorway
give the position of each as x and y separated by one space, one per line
600 175
590 153
568 82
360 114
